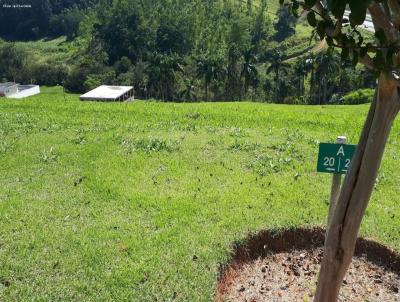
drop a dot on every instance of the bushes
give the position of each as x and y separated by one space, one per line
360 96
49 73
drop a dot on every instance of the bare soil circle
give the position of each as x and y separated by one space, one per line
284 265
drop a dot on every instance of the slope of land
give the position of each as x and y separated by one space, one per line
142 201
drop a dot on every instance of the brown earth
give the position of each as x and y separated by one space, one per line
284 266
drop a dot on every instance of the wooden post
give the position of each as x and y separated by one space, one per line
336 184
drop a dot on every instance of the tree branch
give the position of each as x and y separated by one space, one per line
381 21
322 11
366 61
394 6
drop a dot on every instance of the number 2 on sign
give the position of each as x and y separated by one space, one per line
329 161
348 161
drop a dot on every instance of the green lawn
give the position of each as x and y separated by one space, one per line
111 202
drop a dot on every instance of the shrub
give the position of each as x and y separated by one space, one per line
360 96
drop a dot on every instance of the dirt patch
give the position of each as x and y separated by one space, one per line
284 266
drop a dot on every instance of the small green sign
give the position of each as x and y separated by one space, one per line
335 158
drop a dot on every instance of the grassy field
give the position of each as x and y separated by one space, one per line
142 201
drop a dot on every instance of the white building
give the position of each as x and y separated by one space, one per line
16 91
106 93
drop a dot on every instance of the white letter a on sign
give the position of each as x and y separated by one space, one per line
341 151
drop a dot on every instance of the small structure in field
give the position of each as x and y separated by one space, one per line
24 91
15 91
106 93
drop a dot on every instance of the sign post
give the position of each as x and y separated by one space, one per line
335 159
336 184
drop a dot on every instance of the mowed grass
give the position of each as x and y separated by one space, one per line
142 201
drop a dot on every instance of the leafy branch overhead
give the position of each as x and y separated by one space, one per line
338 22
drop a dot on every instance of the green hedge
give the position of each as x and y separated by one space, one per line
360 96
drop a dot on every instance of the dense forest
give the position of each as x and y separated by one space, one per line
32 19
179 50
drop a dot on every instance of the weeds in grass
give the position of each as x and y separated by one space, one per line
48 156
159 210
313 142
3 147
190 127
210 130
281 160
79 140
149 145
238 132
193 116
292 135
264 164
244 146
379 180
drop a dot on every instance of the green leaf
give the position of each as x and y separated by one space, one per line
337 7
311 19
360 37
295 7
358 12
310 3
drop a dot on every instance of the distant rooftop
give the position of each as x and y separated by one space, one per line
106 92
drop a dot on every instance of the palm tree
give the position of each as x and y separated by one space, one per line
327 68
233 73
206 70
278 66
162 71
302 67
189 92
249 71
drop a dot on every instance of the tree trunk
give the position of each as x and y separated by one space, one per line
206 88
276 85
356 191
312 83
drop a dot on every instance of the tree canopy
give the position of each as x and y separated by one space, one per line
40 18
225 50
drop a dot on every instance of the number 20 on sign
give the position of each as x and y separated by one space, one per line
335 158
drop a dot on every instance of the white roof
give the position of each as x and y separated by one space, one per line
106 92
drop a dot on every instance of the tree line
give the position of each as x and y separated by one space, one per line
213 50
35 19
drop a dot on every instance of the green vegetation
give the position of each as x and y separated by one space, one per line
184 51
142 201
360 96
42 18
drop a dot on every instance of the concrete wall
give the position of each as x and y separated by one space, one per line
25 91
8 90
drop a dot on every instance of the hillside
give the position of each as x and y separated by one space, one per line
142 201
183 51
